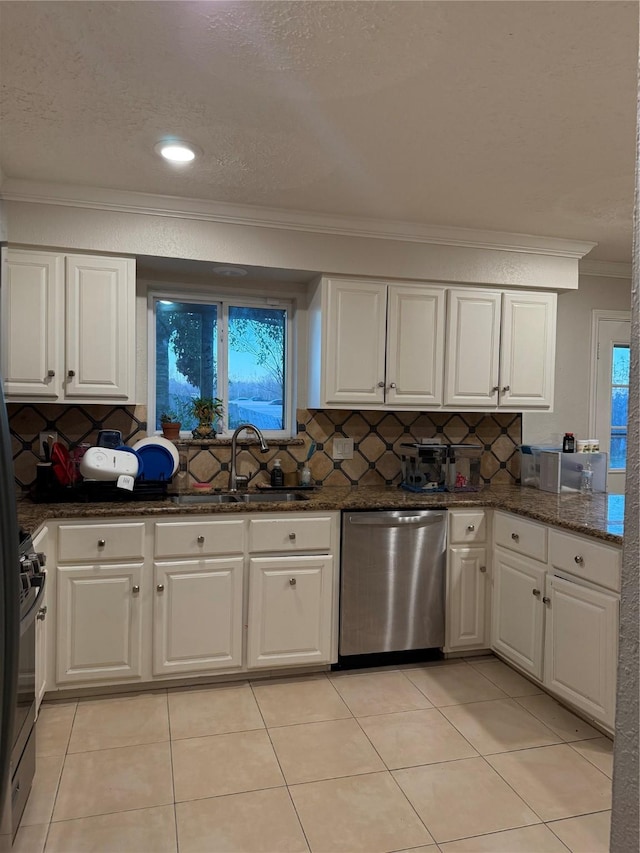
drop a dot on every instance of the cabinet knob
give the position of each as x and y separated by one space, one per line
392 385
71 373
546 600
135 589
578 559
471 527
495 388
160 587
292 581
506 388
515 537
292 537
51 373
536 592
41 613
483 569
200 540
102 543
380 384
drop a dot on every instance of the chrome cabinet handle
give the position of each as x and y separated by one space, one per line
51 373
578 559
546 600
292 581
102 543
392 385
200 540
536 592
42 613
471 527
515 537
135 589
495 388
380 384
292 537
483 569
71 373
506 388
160 587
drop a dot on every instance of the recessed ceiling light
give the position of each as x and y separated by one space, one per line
231 272
177 151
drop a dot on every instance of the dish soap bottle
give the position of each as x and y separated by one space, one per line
277 477
568 443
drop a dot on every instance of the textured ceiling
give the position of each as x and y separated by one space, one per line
513 116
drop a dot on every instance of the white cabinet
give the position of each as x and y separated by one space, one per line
68 327
197 618
581 646
376 345
467 598
40 544
290 611
518 610
500 349
99 626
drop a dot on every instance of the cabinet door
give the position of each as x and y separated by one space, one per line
197 618
355 342
527 350
415 346
101 318
290 611
473 348
581 647
41 650
518 611
99 626
32 325
466 624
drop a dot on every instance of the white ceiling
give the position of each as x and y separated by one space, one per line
512 116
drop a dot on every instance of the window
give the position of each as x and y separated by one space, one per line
620 360
235 350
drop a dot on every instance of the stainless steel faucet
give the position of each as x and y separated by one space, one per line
241 480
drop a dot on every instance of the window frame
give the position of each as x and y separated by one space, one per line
223 299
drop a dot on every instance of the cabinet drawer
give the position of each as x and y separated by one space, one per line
467 526
100 542
523 537
592 561
195 538
290 534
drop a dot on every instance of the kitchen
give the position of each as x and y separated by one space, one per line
175 240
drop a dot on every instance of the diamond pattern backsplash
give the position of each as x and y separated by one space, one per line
377 437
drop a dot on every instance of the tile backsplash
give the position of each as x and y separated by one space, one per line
377 437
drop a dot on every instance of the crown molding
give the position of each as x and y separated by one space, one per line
605 269
124 201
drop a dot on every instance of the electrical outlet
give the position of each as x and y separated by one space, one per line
43 440
343 448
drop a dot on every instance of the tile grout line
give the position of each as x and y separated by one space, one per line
173 781
64 761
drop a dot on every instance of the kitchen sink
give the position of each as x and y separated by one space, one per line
204 499
240 497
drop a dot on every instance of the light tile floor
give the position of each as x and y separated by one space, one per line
455 757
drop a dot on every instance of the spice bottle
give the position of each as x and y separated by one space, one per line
568 443
277 476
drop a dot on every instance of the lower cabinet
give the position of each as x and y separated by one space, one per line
518 611
466 624
197 615
581 646
290 612
99 623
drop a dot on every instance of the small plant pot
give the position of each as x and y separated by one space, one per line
204 430
171 431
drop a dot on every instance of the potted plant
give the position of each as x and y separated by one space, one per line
206 410
170 425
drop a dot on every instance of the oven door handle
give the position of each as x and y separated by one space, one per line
29 617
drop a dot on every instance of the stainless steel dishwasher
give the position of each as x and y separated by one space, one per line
392 581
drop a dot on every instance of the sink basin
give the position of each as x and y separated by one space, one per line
271 497
204 499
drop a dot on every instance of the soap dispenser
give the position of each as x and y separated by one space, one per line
277 476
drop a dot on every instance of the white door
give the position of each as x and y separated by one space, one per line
101 326
473 348
197 615
466 599
355 342
527 350
415 346
41 650
98 623
290 611
582 647
518 611
610 397
32 325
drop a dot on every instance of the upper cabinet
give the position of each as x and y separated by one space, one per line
376 345
68 327
500 349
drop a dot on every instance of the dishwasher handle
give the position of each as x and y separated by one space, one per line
381 520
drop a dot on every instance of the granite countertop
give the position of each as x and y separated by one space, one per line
599 515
